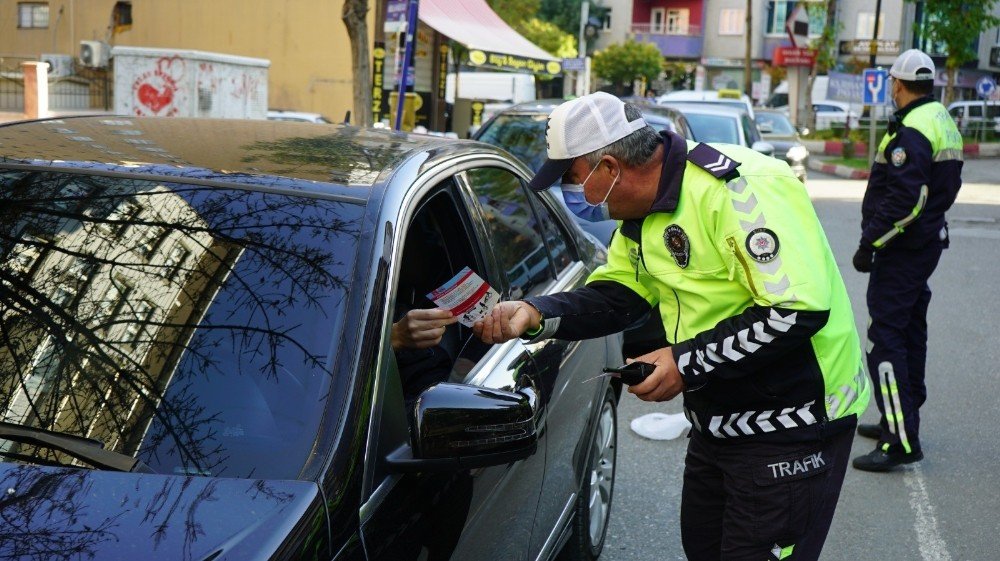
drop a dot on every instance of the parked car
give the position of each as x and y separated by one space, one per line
731 98
777 129
197 362
719 123
830 112
297 116
969 119
521 131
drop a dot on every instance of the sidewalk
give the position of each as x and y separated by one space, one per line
840 170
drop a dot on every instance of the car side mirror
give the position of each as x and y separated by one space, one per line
804 131
765 148
458 426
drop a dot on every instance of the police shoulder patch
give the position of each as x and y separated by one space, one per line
678 244
898 156
762 245
714 162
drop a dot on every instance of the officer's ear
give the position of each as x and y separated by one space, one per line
613 165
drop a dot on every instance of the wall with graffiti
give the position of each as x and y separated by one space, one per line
182 83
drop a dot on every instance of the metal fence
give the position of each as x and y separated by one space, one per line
72 86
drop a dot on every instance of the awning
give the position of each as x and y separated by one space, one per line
491 42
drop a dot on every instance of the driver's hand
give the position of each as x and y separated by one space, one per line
421 329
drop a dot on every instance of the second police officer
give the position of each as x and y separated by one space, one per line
915 178
723 243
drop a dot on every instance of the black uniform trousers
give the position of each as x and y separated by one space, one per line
898 297
754 501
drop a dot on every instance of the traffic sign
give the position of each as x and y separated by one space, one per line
875 80
793 56
797 26
985 86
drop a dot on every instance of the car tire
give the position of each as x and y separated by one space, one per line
593 504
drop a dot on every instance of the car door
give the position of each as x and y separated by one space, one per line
518 225
468 514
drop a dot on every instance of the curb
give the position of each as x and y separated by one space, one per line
839 170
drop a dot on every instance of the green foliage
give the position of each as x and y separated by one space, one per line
548 36
623 62
826 43
957 24
515 12
564 13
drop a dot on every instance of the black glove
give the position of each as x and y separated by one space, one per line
863 258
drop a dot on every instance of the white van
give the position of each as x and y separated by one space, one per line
968 115
779 97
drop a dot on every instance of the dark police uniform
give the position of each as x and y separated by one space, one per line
734 259
915 179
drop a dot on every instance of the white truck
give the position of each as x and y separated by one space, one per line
184 83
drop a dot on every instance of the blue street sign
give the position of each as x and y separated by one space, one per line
985 86
874 89
573 64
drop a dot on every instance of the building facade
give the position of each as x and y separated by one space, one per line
305 40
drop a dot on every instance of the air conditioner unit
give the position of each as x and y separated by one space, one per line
94 53
59 65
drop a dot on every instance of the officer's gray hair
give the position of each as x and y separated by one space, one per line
634 150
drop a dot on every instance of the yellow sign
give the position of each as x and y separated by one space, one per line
730 94
516 63
477 57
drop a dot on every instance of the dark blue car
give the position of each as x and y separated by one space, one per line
197 357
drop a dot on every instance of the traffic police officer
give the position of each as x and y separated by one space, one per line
724 244
914 180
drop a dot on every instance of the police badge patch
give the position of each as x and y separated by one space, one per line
762 245
898 156
678 244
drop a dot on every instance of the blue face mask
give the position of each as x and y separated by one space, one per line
577 202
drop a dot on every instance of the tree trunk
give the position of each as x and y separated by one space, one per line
354 16
949 90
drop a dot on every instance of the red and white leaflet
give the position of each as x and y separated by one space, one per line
467 296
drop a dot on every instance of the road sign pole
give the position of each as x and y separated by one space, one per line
871 134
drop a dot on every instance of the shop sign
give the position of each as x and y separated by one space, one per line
863 47
793 56
500 61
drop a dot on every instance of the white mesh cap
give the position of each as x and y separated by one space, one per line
913 65
581 126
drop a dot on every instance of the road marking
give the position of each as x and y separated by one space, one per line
932 546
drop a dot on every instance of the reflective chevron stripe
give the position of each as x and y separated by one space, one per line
893 408
750 423
903 223
701 361
838 403
949 154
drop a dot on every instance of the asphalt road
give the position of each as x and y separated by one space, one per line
944 508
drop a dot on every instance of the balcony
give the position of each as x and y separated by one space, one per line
678 42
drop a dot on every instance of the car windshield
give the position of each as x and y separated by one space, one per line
522 135
780 125
188 326
713 128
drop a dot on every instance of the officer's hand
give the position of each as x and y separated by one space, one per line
507 321
863 259
664 383
421 329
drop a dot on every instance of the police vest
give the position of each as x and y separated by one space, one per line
746 239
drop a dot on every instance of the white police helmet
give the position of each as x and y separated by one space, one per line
913 65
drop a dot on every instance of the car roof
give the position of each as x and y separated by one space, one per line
708 109
236 150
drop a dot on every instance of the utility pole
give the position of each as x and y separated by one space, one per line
747 79
873 50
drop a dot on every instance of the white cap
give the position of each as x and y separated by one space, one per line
913 65
581 126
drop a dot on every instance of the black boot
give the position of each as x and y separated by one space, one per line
878 460
873 431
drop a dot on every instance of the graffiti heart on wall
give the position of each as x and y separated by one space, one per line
156 92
